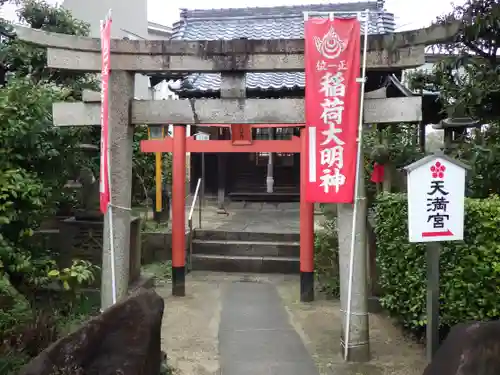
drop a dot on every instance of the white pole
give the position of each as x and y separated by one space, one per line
359 165
195 198
111 245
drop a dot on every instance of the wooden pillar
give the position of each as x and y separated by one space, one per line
421 136
121 133
448 140
388 172
179 211
422 129
270 165
221 182
306 228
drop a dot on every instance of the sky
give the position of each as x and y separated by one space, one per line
409 14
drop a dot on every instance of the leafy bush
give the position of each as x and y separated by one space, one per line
14 308
326 260
143 169
25 332
469 269
81 273
34 164
36 160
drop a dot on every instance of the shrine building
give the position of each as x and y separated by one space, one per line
242 176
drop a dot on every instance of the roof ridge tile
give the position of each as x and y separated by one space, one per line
279 10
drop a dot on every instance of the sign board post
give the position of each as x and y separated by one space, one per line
436 194
201 136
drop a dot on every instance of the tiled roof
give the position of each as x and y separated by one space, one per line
283 22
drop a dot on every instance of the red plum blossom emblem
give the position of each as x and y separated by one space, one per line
437 170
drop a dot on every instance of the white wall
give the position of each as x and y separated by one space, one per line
426 67
128 15
162 92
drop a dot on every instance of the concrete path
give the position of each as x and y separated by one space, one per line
237 321
255 336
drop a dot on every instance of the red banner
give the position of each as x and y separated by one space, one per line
332 65
104 176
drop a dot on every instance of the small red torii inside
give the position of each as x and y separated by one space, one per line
241 141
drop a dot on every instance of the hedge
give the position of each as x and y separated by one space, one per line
326 259
469 269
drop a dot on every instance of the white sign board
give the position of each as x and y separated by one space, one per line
202 136
436 191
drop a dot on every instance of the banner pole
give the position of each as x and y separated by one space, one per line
112 248
357 196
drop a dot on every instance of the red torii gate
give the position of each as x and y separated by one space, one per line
179 144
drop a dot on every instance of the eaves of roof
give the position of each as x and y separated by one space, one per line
283 22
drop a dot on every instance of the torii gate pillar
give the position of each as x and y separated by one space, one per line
121 92
306 229
178 211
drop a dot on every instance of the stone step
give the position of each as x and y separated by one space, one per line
250 264
247 248
221 235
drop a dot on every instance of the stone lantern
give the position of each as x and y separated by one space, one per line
455 124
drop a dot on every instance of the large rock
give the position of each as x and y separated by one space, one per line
125 340
469 349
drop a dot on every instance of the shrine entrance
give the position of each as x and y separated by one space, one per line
248 179
242 142
233 60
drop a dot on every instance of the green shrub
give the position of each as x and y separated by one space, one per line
469 269
326 259
26 331
23 332
161 271
14 308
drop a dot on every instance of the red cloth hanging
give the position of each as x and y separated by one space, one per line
378 173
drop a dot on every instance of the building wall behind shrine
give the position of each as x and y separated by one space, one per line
129 19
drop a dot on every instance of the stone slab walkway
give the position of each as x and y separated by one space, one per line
221 324
268 219
255 336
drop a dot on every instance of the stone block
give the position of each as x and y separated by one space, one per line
80 239
157 246
125 339
469 349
